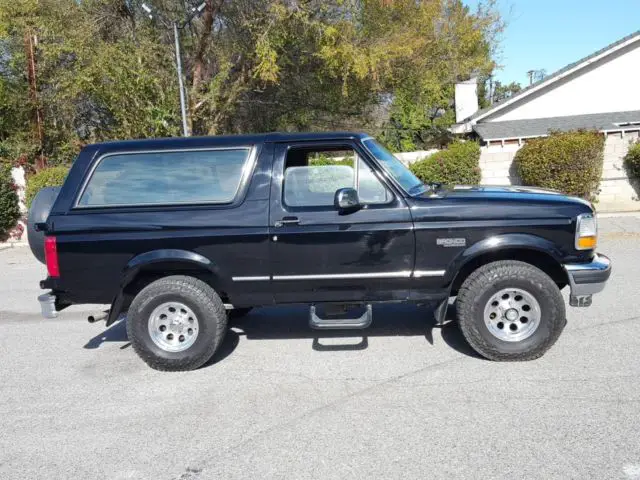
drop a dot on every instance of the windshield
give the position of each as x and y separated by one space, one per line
407 180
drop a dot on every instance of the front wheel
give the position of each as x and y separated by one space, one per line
510 310
176 323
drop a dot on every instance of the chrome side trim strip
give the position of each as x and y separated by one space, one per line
428 273
332 276
338 276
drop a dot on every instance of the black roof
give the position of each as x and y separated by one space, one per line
224 140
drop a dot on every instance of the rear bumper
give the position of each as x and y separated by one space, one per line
588 278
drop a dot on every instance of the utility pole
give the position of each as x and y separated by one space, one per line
176 27
530 74
183 101
30 42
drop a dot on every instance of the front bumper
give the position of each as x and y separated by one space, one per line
585 279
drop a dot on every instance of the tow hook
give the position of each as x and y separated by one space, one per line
48 305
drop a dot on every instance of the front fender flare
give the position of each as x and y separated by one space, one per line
497 243
494 244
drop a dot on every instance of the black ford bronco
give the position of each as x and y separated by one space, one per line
180 234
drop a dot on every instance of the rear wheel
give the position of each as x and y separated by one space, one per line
176 323
510 310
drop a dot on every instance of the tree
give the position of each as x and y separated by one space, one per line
503 91
104 70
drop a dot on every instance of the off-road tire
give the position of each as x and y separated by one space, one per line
483 283
197 295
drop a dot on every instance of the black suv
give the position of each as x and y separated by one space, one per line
181 234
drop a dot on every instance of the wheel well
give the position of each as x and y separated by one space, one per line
543 261
154 271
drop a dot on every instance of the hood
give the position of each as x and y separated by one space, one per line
516 193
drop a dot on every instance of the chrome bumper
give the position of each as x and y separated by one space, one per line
586 279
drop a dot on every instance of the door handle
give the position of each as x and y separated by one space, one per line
287 221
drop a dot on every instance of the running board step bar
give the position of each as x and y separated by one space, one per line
340 322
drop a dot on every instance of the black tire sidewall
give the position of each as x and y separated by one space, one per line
207 325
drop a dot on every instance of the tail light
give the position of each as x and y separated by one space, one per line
51 256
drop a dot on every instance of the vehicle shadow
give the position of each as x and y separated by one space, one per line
292 322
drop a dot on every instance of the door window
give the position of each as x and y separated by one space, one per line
311 178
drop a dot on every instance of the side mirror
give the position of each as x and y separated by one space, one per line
346 200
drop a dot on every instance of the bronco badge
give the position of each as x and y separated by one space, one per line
451 242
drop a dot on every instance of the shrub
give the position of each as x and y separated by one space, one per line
325 160
632 160
570 162
49 177
459 164
9 204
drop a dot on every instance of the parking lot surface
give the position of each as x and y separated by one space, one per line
402 399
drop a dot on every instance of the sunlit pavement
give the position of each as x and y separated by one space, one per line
404 400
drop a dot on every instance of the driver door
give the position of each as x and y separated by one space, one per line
319 254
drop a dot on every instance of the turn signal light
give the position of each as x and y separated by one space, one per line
587 243
51 256
586 231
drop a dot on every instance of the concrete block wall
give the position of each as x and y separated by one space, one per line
617 191
409 157
496 165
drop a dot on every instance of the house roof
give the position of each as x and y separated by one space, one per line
554 77
537 127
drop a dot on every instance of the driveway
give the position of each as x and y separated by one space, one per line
404 400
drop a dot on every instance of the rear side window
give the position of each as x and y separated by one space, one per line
153 178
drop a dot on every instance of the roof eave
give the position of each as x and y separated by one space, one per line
553 78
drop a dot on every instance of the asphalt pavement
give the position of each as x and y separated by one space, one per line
403 399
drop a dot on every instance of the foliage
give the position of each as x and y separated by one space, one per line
421 58
49 177
9 206
632 160
503 91
106 71
326 160
458 165
570 162
493 91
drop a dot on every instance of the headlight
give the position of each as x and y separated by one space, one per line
586 232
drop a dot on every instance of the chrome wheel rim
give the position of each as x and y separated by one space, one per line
173 327
512 315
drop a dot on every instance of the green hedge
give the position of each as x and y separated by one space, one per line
49 177
9 204
324 160
570 162
459 164
632 160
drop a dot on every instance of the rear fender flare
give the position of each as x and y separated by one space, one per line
180 258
